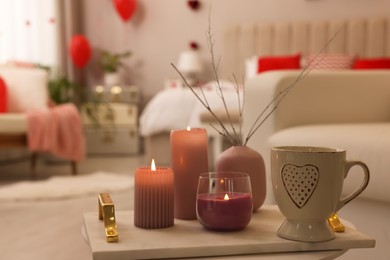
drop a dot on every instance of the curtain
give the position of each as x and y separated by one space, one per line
70 23
39 31
69 13
28 31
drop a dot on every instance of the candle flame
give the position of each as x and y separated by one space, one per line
226 197
153 165
188 128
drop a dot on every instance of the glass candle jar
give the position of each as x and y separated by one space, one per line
224 201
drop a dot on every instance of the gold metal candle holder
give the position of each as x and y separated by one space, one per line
335 223
107 214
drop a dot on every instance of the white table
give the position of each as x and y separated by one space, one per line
188 239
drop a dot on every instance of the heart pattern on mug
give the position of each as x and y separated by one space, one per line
300 182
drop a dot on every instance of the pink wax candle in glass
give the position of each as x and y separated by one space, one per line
189 160
153 197
224 201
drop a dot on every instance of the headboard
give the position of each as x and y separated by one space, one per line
365 37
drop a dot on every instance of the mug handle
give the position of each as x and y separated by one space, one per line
349 165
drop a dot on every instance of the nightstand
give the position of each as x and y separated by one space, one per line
117 113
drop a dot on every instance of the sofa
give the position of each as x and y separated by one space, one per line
345 109
25 91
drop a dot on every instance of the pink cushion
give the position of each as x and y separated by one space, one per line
330 61
3 96
376 63
279 62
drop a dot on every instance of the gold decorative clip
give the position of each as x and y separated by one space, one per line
107 214
335 223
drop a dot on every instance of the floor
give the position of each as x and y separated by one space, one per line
51 230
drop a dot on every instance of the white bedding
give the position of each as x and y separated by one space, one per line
178 108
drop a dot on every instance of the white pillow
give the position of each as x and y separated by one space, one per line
251 67
27 88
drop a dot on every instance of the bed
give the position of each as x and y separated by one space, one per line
359 37
178 108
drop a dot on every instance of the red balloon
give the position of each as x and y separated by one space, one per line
3 96
125 8
79 50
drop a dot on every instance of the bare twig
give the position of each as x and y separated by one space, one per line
215 66
282 94
224 131
236 138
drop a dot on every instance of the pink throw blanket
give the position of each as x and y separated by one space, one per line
57 130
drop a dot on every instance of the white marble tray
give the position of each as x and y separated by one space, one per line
190 239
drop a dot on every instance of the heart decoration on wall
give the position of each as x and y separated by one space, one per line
300 182
193 45
125 8
194 4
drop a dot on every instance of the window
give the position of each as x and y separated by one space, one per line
28 31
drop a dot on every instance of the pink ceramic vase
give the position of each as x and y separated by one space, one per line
245 159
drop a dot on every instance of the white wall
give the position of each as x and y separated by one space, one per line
161 29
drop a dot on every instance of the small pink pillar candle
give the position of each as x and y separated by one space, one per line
225 211
153 197
189 160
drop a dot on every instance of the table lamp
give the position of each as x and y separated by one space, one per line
190 65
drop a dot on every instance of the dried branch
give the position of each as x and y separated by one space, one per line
224 131
234 137
282 94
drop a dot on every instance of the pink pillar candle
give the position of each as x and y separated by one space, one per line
224 211
153 197
189 160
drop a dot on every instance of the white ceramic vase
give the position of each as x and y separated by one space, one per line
111 79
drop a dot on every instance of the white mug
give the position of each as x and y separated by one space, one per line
307 184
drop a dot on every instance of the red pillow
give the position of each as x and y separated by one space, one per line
376 63
3 96
279 63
